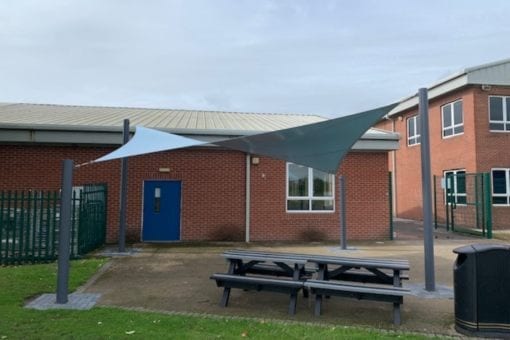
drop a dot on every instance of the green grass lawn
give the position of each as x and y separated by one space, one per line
22 282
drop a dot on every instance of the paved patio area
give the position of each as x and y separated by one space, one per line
175 278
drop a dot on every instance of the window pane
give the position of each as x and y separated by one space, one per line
499 182
322 205
458 129
447 116
496 108
298 205
457 112
418 127
461 200
322 184
507 109
448 132
298 180
497 126
461 182
410 127
499 200
157 200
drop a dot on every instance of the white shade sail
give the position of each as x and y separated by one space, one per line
147 141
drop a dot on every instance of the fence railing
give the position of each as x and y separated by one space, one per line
29 223
462 202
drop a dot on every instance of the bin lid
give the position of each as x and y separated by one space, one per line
480 248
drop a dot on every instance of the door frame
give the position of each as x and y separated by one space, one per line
143 210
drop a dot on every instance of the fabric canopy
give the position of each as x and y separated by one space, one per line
147 141
320 145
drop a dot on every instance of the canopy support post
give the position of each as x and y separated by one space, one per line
342 210
428 234
123 191
64 234
248 198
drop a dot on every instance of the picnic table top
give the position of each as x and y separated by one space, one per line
264 258
393 264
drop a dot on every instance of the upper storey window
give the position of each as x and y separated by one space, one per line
452 119
499 115
413 130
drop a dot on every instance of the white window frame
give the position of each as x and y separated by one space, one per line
310 196
455 193
416 136
507 194
506 114
452 115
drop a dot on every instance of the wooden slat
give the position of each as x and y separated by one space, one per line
324 259
357 288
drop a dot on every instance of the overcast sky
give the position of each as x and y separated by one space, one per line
283 56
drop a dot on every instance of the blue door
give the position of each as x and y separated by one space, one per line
161 211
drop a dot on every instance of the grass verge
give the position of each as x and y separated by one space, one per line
19 283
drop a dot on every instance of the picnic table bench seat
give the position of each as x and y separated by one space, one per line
228 281
359 291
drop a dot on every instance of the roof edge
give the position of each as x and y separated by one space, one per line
458 80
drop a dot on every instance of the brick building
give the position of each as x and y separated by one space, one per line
217 194
469 125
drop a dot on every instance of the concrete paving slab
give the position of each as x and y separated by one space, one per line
78 301
441 291
114 252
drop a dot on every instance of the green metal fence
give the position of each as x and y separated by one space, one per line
462 202
29 223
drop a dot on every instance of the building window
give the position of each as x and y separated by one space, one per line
499 115
453 119
455 186
500 186
413 131
309 189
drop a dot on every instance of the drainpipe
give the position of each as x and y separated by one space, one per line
248 197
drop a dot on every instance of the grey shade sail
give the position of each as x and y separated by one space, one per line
320 145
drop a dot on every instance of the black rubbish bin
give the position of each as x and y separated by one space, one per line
481 284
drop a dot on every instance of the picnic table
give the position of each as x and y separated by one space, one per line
272 266
361 278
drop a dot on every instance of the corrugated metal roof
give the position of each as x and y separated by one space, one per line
495 73
164 119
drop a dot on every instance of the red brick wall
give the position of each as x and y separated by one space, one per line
477 150
367 202
213 192
450 153
492 148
